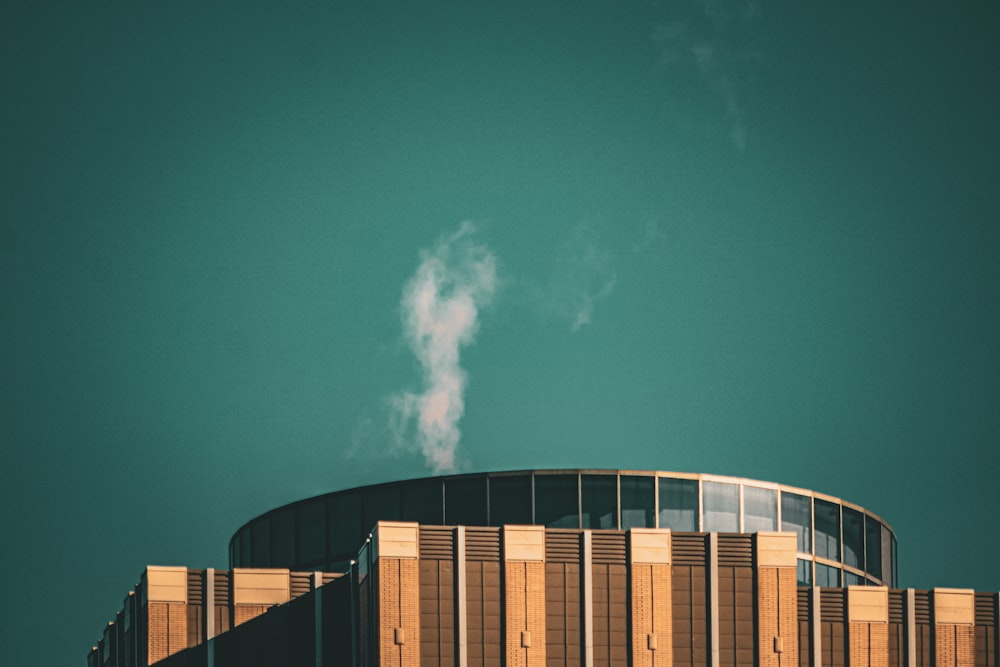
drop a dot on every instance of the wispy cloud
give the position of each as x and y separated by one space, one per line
440 310
718 39
583 275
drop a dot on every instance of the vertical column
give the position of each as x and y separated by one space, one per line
652 597
911 628
777 599
396 554
166 598
713 597
209 612
524 595
462 602
317 584
868 626
816 625
954 627
588 598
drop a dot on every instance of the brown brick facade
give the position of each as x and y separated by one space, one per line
777 603
399 611
168 629
652 615
954 645
868 644
525 613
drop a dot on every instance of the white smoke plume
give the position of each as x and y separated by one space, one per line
440 309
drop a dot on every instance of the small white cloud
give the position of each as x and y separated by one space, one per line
583 275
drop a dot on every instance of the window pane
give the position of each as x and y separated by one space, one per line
851 579
827 530
760 509
310 531
854 538
556 503
510 500
422 502
722 504
245 559
679 504
804 573
827 576
260 537
638 499
465 502
379 505
283 539
600 501
895 565
887 564
344 533
796 514
873 547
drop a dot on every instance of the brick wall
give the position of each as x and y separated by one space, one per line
168 629
652 615
399 608
954 645
525 613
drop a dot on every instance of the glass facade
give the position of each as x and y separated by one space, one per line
722 506
679 504
827 529
803 573
326 532
796 515
760 509
599 500
638 495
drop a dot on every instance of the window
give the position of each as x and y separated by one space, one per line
804 572
283 539
310 532
510 500
465 502
851 579
379 505
343 527
854 538
679 504
638 499
260 538
760 509
827 576
600 501
423 502
873 547
722 504
827 529
796 515
556 501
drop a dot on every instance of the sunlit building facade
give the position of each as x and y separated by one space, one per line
555 568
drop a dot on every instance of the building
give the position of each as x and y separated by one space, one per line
569 567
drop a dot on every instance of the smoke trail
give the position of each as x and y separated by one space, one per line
440 310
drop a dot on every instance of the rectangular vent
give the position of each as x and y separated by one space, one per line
437 543
196 587
897 606
804 594
562 546
482 544
608 547
831 604
688 548
300 583
222 588
986 610
735 550
922 607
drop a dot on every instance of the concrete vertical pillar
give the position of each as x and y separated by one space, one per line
524 595
868 626
777 599
816 627
713 598
954 627
462 600
396 554
165 592
652 597
587 558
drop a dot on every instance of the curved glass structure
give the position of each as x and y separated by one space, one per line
839 543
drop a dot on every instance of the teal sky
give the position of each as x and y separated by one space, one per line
749 239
